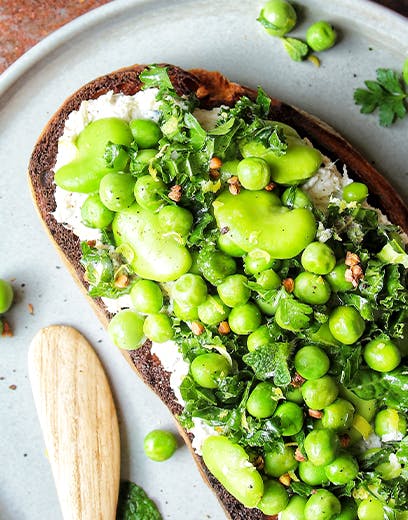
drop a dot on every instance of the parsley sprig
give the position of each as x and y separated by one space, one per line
385 94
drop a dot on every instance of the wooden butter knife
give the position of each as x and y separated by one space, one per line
79 422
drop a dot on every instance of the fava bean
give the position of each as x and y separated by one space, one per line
229 463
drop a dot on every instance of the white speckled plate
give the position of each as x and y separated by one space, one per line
214 34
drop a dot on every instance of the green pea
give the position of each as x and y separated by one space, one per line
355 192
318 258
294 395
6 296
245 318
338 415
189 290
311 288
311 362
146 133
141 162
95 214
234 291
176 220
337 278
311 474
262 401
257 338
212 311
126 330
389 470
280 461
148 191
253 173
320 36
279 16
390 423
257 261
207 368
268 279
159 445
158 327
185 312
371 509
229 463
116 191
291 418
322 505
348 510
146 297
346 324
321 446
319 393
215 266
342 469
382 355
275 498
295 509
294 197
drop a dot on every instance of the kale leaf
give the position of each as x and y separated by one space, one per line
134 504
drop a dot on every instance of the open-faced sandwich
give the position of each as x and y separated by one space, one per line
251 265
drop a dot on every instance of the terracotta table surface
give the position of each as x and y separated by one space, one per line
23 23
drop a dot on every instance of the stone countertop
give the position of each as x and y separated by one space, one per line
23 23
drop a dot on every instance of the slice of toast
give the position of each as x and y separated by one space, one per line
212 89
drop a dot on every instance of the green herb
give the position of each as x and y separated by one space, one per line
385 94
156 76
134 504
102 265
271 361
297 49
390 388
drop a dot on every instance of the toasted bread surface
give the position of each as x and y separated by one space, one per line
213 90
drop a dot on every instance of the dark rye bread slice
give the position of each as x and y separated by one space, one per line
212 89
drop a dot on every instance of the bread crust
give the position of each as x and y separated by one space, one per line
212 89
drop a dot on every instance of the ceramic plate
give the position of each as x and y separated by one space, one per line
213 34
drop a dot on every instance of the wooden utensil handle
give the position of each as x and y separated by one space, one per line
79 422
